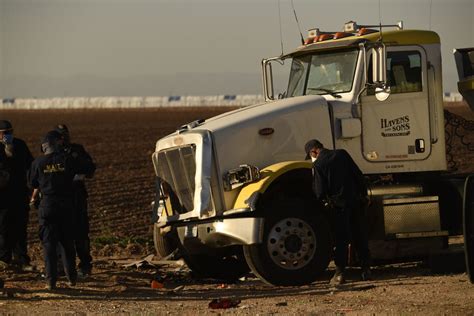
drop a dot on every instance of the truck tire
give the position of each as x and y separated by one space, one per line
164 244
296 246
468 226
226 264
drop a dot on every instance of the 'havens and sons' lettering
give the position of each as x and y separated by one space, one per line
395 127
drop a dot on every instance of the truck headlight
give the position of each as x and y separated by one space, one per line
237 177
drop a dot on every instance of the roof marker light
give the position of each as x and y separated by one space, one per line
363 31
309 40
325 37
339 35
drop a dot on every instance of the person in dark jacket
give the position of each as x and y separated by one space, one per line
52 174
81 239
339 183
18 159
4 178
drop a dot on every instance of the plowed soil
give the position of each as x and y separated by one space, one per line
121 143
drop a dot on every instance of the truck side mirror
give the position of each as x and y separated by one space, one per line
379 74
267 80
379 57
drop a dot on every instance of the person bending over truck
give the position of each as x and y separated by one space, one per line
339 183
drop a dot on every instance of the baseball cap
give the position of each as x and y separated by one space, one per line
51 137
49 141
5 125
313 143
62 129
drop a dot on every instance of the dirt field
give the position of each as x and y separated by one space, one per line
397 289
121 143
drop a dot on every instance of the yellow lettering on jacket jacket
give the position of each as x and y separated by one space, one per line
52 168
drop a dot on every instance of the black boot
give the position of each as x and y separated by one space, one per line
338 277
366 273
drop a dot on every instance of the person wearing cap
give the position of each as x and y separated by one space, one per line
52 174
81 239
4 178
18 160
340 184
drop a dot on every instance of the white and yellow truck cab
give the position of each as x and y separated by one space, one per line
235 192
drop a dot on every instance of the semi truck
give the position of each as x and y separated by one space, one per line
234 193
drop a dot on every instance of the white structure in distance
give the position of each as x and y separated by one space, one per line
148 102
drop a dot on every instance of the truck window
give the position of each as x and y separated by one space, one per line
323 73
332 71
403 72
298 76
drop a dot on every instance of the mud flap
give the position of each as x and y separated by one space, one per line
468 226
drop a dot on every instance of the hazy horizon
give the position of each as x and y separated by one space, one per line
64 48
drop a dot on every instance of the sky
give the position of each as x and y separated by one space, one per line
67 48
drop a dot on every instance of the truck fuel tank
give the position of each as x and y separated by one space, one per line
394 191
403 212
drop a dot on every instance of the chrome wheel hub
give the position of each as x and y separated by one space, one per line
291 243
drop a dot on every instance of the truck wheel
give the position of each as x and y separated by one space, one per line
225 264
296 247
164 244
468 226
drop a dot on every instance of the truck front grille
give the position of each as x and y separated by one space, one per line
177 167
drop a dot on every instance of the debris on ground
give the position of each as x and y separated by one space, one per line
157 285
144 263
223 303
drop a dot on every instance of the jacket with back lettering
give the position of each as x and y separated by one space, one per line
53 173
338 178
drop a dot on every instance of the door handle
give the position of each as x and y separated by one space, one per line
420 145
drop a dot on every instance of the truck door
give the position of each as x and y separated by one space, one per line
398 129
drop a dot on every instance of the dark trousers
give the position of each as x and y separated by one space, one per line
81 239
360 235
20 218
351 226
81 228
5 248
56 229
13 234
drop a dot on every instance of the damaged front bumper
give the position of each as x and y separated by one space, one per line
223 232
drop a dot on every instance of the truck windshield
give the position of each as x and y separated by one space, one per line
323 73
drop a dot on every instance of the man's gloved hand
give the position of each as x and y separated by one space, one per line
34 204
79 177
328 203
365 201
4 178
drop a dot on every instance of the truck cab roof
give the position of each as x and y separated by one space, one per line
393 37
